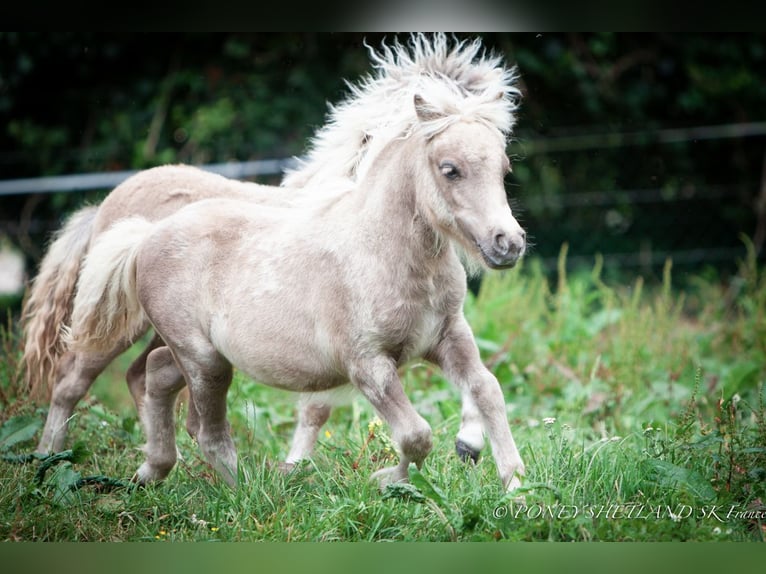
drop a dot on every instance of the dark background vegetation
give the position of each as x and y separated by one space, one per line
595 163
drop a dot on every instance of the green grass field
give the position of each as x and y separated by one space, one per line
639 412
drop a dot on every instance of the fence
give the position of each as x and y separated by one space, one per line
656 227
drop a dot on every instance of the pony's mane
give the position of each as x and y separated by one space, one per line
456 78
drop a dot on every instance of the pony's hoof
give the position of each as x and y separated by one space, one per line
285 467
514 485
146 473
466 453
390 475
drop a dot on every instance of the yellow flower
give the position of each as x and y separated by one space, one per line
375 423
327 434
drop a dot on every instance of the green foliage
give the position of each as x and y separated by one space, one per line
592 103
17 430
639 411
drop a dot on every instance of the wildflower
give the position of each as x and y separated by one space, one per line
716 531
327 434
548 421
214 529
735 399
374 424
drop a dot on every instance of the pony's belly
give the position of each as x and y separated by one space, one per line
277 359
294 378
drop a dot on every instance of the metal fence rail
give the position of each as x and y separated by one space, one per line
656 210
267 167
109 180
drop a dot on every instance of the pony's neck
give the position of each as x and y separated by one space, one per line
387 202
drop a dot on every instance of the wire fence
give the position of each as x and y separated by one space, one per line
109 180
630 228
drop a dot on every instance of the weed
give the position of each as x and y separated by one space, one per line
639 411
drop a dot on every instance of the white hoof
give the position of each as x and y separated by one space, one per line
513 485
389 475
146 473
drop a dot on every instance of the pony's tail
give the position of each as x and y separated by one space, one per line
48 304
106 309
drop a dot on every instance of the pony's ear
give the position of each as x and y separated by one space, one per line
425 111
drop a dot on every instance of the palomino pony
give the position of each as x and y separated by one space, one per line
356 126
343 287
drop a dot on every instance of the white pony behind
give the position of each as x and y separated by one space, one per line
345 286
377 109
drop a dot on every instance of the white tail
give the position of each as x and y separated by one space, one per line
49 299
106 309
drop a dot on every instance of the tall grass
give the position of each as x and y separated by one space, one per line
639 411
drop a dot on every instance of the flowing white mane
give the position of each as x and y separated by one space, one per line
456 78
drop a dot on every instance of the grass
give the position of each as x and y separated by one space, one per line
639 412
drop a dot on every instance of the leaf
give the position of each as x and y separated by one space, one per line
512 497
671 476
602 319
426 488
22 458
403 490
448 512
64 480
104 415
78 453
743 376
17 430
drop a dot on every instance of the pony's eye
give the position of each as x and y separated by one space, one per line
449 170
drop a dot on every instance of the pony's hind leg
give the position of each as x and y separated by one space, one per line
312 415
136 375
163 382
77 373
136 379
208 376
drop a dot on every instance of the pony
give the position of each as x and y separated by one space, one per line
378 105
343 287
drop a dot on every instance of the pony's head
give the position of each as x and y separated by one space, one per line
378 108
461 186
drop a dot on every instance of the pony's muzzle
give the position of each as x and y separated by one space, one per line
505 249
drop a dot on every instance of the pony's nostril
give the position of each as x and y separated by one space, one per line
502 244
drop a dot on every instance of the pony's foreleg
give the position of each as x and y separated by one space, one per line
77 372
311 417
457 355
163 382
470 438
379 382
